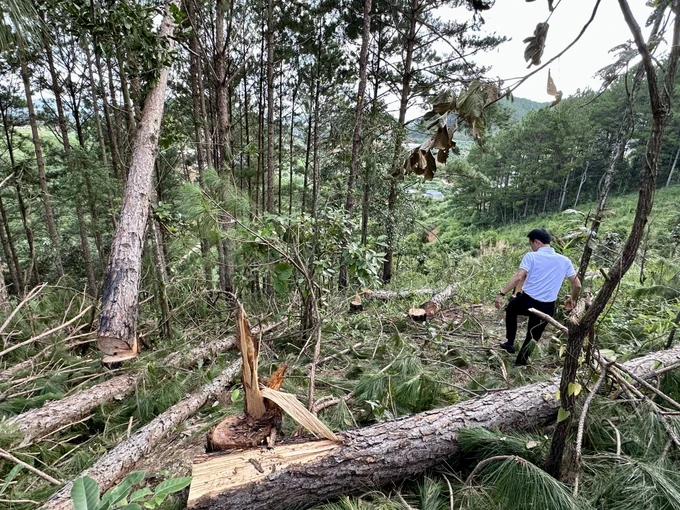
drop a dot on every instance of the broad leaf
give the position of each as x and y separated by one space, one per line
85 494
574 389
140 494
121 490
562 414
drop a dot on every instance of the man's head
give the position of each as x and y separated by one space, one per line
538 237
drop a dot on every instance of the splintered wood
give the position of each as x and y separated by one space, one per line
250 349
215 474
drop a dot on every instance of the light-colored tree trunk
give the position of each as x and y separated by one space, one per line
117 321
120 461
270 107
675 162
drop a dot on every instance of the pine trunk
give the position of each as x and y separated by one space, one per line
117 321
357 132
37 146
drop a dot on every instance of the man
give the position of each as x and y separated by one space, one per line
543 272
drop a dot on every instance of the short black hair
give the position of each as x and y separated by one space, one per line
540 234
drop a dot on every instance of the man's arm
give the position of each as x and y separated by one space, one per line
519 276
575 291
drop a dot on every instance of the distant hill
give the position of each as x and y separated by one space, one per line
521 106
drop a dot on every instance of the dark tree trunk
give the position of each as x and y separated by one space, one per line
95 105
37 146
660 102
399 140
270 107
357 132
291 153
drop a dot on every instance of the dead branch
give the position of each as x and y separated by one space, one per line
8 456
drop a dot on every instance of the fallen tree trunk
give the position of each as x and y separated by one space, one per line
307 474
387 295
431 307
120 461
58 414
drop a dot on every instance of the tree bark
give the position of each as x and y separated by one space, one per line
357 132
117 321
670 174
381 454
122 459
95 105
37 146
270 107
399 140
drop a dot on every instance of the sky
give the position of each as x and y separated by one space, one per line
516 19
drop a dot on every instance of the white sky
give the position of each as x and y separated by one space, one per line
516 19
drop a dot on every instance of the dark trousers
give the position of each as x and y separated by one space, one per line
519 305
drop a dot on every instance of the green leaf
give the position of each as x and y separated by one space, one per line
235 395
121 490
172 485
85 494
140 494
131 506
10 476
562 415
574 389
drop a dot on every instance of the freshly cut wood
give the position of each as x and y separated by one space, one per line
374 456
417 314
435 303
431 307
259 422
355 304
113 466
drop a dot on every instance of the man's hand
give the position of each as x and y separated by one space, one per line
569 304
498 302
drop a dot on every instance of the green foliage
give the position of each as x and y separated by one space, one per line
85 493
478 443
515 483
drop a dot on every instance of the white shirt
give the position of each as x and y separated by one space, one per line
546 270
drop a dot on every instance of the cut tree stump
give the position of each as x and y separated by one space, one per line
304 475
112 467
431 307
262 419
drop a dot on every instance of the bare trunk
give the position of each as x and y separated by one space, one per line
121 460
37 146
670 174
117 321
584 175
357 132
270 106
291 153
399 140
95 105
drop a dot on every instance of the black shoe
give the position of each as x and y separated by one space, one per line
510 348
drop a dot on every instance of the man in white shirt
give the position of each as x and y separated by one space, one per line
543 272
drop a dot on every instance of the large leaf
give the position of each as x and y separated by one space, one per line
121 490
85 494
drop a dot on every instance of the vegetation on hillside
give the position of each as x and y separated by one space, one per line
250 201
